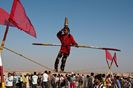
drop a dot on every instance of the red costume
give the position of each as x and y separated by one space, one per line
67 41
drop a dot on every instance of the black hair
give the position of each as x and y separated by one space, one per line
92 74
45 71
34 73
99 77
66 27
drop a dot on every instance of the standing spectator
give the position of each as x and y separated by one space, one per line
127 83
62 81
34 80
72 81
77 81
80 81
24 81
104 80
45 80
131 80
39 81
20 81
30 79
49 79
57 80
91 81
86 81
98 81
53 84
27 81
15 80
117 83
108 81
9 81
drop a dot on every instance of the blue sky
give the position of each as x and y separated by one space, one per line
103 23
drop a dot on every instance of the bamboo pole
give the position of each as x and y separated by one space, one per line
1 50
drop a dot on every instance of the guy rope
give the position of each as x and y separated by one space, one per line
21 55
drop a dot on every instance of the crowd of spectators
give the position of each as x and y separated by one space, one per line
48 79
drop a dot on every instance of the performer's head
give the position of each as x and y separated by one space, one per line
66 30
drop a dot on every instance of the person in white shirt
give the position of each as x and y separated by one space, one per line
34 80
9 81
45 80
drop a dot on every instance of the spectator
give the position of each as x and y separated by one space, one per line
34 80
9 81
27 81
45 80
91 81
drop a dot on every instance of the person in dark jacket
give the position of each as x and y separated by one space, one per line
67 41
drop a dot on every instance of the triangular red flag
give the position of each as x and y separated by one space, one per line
4 16
115 59
19 18
108 55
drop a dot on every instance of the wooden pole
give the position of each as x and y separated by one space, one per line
108 63
1 50
111 63
79 46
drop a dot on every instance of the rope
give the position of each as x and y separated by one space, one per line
21 55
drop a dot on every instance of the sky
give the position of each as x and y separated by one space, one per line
101 23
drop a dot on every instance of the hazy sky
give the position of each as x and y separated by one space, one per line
104 23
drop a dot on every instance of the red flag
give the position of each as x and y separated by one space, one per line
4 16
19 18
115 59
108 55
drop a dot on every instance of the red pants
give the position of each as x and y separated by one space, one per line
72 85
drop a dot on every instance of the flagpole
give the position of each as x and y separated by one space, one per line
111 63
1 50
108 63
